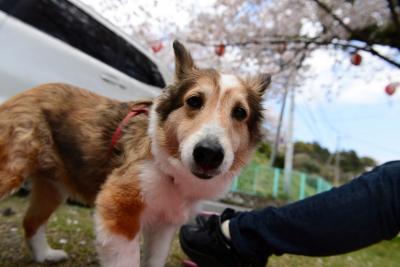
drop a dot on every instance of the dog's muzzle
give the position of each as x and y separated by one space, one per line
208 155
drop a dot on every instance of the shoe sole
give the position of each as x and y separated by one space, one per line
202 260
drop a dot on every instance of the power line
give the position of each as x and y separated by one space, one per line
326 120
355 118
342 134
308 125
315 122
382 148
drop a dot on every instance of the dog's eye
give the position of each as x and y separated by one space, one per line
194 102
239 113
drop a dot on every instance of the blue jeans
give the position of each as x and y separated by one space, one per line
355 215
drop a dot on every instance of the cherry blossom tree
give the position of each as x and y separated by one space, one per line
275 36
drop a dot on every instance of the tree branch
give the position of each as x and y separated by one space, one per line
335 17
307 42
376 53
394 15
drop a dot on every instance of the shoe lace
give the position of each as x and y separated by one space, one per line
212 222
210 225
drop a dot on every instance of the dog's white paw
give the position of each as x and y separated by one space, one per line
51 255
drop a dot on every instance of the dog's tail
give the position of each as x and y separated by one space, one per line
9 184
9 181
23 135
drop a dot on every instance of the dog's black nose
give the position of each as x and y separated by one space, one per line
208 154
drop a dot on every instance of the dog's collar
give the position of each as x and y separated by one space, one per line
142 109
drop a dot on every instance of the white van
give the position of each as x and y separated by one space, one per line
44 41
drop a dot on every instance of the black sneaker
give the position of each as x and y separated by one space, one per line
206 245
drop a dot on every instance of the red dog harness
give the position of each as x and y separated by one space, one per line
132 113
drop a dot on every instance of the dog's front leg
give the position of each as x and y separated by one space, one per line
118 209
157 241
116 250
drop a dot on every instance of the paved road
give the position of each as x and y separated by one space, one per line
219 207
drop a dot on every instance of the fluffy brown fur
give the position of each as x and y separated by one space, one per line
59 134
59 137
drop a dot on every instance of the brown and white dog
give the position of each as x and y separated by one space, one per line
200 131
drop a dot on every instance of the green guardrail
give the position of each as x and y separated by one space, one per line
265 181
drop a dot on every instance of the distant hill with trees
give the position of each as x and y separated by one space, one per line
312 158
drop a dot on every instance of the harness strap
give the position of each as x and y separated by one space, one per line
132 113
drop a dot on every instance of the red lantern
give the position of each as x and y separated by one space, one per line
156 46
390 89
356 59
220 50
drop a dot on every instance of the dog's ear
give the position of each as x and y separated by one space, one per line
262 82
183 60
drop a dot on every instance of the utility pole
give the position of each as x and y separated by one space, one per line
274 150
337 163
289 146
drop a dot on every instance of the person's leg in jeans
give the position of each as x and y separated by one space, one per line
355 215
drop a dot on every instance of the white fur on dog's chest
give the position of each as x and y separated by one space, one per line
164 203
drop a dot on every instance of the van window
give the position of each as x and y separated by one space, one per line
135 64
67 22
7 5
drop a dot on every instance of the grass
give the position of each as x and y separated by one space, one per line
71 229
